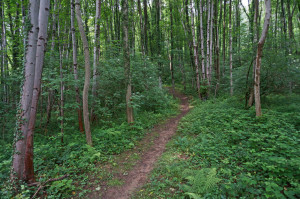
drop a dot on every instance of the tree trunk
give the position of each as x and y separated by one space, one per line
79 111
96 53
126 54
208 42
224 37
23 114
87 74
141 27
172 47
202 42
196 58
211 40
230 49
258 57
145 27
40 53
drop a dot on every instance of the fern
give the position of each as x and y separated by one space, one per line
200 182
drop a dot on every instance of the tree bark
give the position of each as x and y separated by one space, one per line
23 114
145 27
202 42
40 53
208 42
211 40
258 57
224 37
96 52
141 27
74 46
172 47
196 58
126 54
230 49
87 74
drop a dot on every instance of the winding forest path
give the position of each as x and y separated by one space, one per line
137 176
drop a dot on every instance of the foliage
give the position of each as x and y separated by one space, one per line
54 159
253 157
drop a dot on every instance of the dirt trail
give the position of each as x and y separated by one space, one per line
139 173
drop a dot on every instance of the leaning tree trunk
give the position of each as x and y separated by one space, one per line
126 54
23 114
258 57
87 77
40 53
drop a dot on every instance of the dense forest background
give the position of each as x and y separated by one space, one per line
88 78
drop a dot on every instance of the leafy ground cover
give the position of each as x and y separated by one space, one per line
73 157
223 151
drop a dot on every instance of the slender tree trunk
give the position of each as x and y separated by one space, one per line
230 49
172 47
182 68
208 42
258 57
23 116
255 40
50 101
146 27
211 40
87 74
62 88
126 54
224 37
96 53
196 58
40 53
141 27
202 41
74 41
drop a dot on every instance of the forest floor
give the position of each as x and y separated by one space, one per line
131 169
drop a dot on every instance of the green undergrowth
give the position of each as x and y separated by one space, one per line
74 157
222 150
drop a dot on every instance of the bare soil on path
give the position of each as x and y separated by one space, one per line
138 175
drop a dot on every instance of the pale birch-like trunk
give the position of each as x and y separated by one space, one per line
196 58
211 40
258 56
224 38
208 43
171 56
145 27
74 47
230 49
26 95
96 53
141 27
126 54
50 101
202 42
87 74
255 40
40 53
62 88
